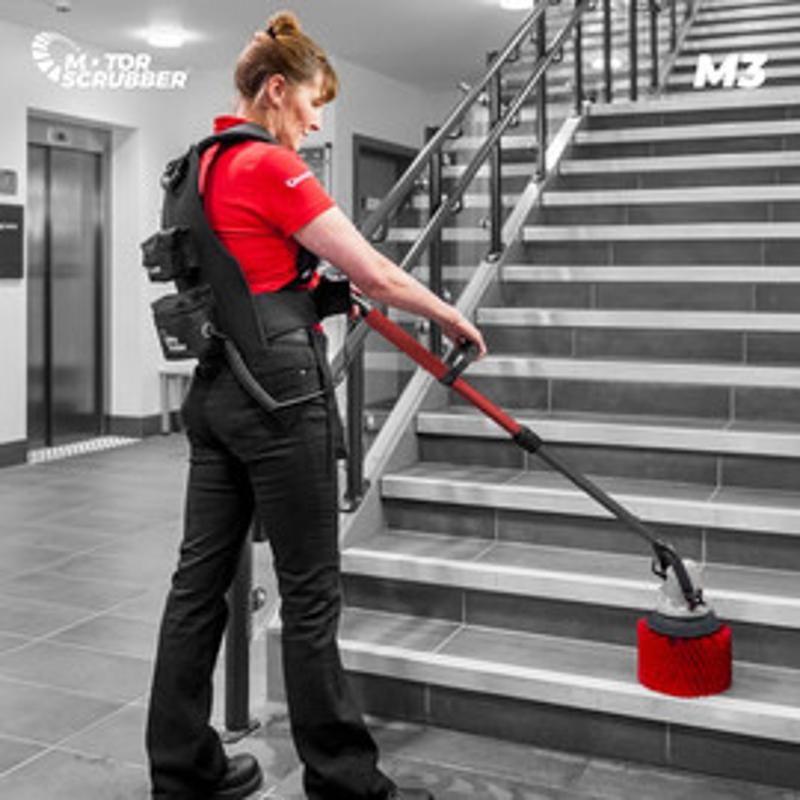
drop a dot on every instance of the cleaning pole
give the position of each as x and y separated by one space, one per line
682 647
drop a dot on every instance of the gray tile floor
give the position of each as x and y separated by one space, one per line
86 549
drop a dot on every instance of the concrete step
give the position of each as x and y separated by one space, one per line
707 452
764 702
698 107
656 502
768 129
774 193
546 574
516 274
763 231
688 205
625 319
747 40
641 386
710 242
617 430
619 370
710 16
706 163
767 26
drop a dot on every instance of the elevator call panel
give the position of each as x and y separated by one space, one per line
11 238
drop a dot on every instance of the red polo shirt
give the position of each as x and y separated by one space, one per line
258 196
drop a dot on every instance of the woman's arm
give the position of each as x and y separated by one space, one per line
333 237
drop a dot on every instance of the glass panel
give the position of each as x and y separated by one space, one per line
36 220
75 226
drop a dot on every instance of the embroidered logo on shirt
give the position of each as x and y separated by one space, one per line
293 182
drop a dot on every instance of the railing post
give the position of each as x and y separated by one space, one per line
607 51
653 45
237 647
673 25
633 48
495 164
435 281
355 427
578 63
541 100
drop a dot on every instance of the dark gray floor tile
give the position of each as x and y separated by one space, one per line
14 752
113 634
17 557
93 595
45 714
33 618
119 736
67 775
10 641
102 675
612 780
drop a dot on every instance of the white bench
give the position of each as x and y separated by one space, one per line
170 375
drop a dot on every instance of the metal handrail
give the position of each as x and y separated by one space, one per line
406 182
351 353
451 202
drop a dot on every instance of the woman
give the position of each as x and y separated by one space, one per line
265 206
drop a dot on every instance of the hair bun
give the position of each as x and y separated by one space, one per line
283 23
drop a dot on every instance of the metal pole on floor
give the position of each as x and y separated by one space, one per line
238 722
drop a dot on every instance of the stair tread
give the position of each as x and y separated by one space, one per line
637 319
620 430
703 161
650 273
710 130
681 195
763 701
762 510
598 568
778 97
637 371
680 231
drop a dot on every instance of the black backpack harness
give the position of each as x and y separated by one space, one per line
214 310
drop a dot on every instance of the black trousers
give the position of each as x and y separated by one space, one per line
282 465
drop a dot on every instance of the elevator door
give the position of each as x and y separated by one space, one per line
65 398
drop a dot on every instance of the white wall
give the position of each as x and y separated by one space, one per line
148 128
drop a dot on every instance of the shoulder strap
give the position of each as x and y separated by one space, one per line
243 132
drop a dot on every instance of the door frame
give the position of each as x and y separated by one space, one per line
362 143
52 132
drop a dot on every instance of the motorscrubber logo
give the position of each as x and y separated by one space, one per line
71 67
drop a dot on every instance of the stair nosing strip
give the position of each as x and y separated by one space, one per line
595 693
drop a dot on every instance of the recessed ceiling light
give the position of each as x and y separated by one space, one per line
516 5
163 36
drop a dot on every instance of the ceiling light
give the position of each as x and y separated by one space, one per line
516 5
166 37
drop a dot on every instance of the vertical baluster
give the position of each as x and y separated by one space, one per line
607 51
435 249
237 647
495 163
355 426
673 25
653 45
633 48
541 101
578 62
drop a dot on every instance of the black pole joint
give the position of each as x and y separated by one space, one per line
528 439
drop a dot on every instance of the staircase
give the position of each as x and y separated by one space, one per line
647 324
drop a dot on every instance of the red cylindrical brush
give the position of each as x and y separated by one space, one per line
683 652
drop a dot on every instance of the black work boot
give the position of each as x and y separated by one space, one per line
241 779
399 793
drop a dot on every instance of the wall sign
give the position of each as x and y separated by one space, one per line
8 181
11 232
